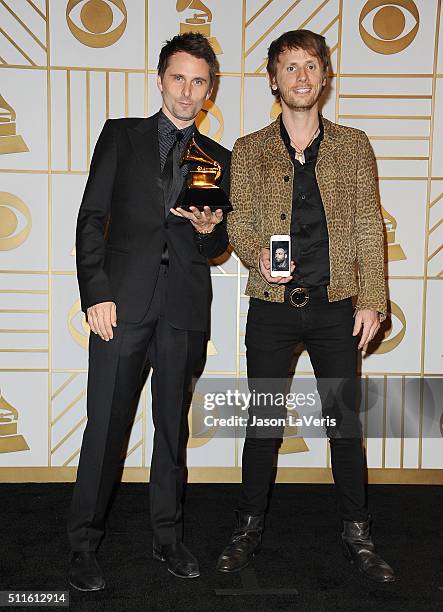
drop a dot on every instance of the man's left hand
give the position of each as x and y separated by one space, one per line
203 221
369 320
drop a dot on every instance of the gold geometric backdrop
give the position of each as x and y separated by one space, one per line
66 66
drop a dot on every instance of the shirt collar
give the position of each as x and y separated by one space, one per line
287 140
166 127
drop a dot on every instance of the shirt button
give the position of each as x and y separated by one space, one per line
283 216
286 178
303 197
266 293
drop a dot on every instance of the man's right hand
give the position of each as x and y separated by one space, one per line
102 318
265 269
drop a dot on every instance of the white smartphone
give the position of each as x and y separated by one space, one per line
280 255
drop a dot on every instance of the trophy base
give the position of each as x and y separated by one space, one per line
214 197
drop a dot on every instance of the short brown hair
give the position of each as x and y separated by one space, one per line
193 43
297 39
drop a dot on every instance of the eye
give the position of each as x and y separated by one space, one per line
389 27
198 82
291 68
203 121
14 228
77 325
98 17
201 433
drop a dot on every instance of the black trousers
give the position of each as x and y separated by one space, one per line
272 332
115 378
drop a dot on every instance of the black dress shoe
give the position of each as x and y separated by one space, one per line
360 550
245 543
180 561
85 573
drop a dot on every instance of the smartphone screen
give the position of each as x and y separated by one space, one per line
280 254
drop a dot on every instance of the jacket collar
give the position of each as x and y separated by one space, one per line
144 138
275 146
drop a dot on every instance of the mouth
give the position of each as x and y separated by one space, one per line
302 90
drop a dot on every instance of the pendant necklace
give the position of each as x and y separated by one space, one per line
300 153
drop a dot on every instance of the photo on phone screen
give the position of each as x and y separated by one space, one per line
280 255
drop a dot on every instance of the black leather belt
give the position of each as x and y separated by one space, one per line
300 296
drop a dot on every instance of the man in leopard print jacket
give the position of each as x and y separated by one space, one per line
315 181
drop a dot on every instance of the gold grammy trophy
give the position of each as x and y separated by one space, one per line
10 440
201 182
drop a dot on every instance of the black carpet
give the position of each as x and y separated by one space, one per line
301 550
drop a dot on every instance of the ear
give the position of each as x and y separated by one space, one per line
209 93
159 84
272 83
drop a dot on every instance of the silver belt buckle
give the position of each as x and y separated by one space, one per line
296 294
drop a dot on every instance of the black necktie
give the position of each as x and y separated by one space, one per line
172 177
172 180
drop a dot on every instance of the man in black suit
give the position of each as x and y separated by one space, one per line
145 287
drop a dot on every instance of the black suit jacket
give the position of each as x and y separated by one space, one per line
121 229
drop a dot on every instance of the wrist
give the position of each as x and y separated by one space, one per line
205 232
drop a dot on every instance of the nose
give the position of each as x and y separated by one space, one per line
302 75
187 90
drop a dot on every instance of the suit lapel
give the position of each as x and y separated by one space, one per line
144 141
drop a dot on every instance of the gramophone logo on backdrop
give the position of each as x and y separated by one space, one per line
10 141
98 17
388 23
393 251
10 221
10 440
199 22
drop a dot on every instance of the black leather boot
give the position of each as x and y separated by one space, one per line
359 549
85 573
180 561
245 543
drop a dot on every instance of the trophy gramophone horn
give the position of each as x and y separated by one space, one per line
204 176
202 189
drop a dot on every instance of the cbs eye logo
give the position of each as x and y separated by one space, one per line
389 22
393 331
10 221
78 326
98 17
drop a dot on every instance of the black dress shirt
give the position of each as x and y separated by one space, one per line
166 139
309 233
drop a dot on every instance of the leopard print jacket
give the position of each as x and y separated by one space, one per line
261 195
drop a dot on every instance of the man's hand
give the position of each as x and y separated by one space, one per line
265 269
204 221
102 318
370 321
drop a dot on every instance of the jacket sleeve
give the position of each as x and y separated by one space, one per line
242 225
92 219
369 233
215 244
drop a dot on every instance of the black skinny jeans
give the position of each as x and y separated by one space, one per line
272 332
